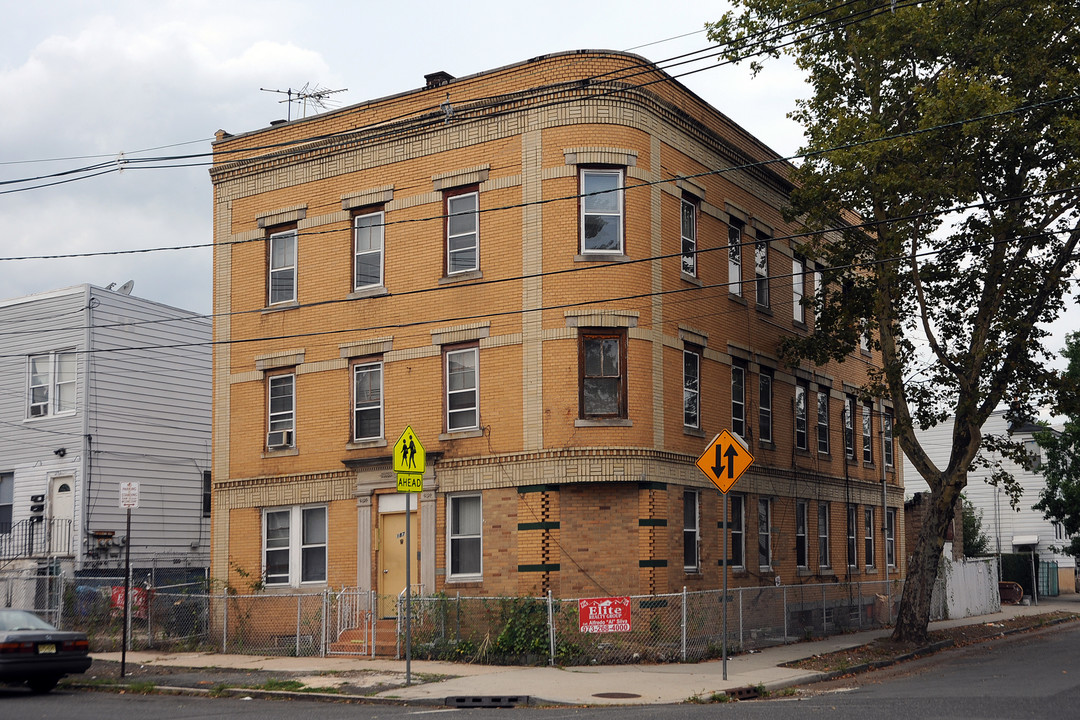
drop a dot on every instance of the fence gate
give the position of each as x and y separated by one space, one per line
353 622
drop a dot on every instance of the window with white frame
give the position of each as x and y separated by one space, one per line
801 559
867 439
735 229
852 526
462 232
890 537
764 533
207 493
737 520
1032 456
738 400
51 384
7 495
823 534
765 385
462 390
282 263
691 388
798 280
368 237
801 430
868 538
601 211
689 237
367 401
464 544
822 421
281 416
691 530
887 439
819 291
761 270
602 364
849 426
294 545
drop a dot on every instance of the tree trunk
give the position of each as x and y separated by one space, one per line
914 615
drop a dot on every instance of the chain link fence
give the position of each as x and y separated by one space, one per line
677 627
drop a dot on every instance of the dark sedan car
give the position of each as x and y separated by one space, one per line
34 652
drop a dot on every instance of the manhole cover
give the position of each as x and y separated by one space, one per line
616 695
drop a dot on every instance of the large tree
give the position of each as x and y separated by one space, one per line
941 164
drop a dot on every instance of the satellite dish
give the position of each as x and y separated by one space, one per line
126 288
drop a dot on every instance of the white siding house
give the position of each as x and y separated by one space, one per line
96 388
1009 530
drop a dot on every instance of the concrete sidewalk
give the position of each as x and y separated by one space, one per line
587 685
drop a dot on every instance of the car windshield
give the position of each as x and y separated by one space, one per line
22 620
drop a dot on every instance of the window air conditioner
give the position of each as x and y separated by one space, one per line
279 439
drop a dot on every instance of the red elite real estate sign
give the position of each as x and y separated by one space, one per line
604 615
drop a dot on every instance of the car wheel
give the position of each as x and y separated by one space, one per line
42 684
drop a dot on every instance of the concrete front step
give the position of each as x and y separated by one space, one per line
355 641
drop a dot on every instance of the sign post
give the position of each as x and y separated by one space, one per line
723 462
410 461
129 498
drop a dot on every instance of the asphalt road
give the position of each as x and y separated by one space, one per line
1029 675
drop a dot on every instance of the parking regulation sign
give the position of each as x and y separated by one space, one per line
129 495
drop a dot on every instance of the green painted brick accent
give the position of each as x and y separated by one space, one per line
548 525
651 485
539 568
646 604
652 522
652 563
523 489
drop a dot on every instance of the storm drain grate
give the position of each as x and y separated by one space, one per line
487 701
616 695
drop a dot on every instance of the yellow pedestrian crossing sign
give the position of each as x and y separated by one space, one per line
409 460
724 461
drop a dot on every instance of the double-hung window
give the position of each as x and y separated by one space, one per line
868 538
462 232
368 236
823 534
738 400
7 495
601 211
737 520
765 384
281 415
691 389
603 377
764 533
801 430
462 390
689 238
51 384
798 291
367 401
852 525
887 439
849 427
294 545
867 440
691 563
735 257
823 421
761 270
464 544
282 279
800 534
890 537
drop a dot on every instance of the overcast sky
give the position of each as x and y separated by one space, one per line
83 82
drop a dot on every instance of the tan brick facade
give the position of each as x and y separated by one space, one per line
580 506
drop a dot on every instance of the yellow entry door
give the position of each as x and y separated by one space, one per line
391 567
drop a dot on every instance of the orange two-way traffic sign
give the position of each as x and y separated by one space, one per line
724 461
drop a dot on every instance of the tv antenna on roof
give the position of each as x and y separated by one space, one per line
317 96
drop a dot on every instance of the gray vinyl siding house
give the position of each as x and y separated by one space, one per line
98 387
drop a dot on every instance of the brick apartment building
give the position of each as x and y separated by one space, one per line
566 275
